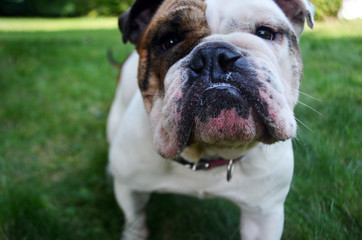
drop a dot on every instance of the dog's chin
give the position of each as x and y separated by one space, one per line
229 129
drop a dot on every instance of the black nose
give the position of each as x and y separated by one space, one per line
214 58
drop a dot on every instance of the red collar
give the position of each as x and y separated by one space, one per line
206 164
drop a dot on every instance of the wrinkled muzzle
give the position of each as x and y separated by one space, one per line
221 97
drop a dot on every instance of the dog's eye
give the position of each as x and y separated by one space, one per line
169 42
265 33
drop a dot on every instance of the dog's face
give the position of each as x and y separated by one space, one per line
218 76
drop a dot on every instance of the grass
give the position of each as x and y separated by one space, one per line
56 88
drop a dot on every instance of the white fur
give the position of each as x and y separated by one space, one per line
261 179
125 91
259 185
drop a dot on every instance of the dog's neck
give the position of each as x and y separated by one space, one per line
208 164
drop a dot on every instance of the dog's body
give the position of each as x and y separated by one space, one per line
216 80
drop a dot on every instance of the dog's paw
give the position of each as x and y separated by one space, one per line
134 234
135 230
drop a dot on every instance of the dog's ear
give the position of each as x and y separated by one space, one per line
297 12
134 21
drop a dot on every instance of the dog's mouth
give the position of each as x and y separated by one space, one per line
223 86
224 112
217 97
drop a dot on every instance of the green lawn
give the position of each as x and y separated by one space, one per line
56 88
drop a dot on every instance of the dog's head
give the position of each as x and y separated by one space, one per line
218 76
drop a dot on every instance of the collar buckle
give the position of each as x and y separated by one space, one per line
230 170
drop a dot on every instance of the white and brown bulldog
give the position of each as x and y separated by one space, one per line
205 106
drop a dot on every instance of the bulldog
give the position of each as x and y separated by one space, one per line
205 106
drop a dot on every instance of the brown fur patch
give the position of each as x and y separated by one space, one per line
183 20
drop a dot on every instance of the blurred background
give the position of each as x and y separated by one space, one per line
72 8
56 88
63 8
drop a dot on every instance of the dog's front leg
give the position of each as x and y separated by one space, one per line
259 225
133 206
